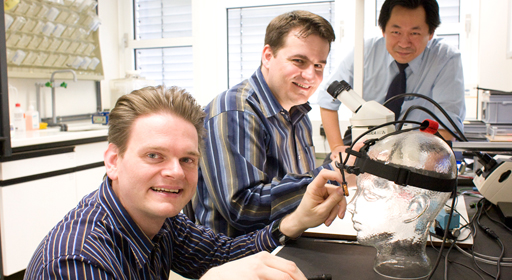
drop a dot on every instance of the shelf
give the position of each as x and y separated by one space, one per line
42 37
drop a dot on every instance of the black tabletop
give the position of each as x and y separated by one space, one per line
315 256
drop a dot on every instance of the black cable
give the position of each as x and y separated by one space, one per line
461 264
497 221
433 103
500 257
451 261
480 206
416 107
494 236
444 237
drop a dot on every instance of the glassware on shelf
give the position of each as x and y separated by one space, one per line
8 21
18 23
48 28
35 42
18 57
52 14
38 28
13 40
57 31
24 41
94 63
47 35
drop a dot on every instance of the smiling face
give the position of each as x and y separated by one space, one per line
295 71
407 33
157 175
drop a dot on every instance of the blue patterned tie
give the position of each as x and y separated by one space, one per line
396 87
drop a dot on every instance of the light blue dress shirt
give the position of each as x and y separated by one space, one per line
436 73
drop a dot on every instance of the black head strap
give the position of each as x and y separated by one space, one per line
400 175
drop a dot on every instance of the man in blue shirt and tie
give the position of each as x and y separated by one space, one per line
432 68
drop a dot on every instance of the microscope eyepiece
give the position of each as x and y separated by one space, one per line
336 88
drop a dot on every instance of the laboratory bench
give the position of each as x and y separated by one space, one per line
47 174
343 258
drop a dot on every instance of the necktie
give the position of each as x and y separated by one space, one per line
396 87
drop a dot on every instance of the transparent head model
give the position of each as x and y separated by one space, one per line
395 219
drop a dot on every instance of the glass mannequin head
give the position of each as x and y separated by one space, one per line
395 219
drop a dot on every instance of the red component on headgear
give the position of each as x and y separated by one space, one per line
429 126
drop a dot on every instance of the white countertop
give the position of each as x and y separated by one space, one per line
53 134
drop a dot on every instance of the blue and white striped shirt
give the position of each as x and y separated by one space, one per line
99 240
257 160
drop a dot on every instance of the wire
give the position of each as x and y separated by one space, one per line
496 221
433 103
481 206
500 257
485 259
436 119
377 127
444 237
454 262
383 125
451 261
476 218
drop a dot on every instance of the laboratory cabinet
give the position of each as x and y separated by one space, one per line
37 191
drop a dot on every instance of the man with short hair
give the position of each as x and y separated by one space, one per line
432 68
259 154
132 228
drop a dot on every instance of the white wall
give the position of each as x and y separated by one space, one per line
110 45
495 69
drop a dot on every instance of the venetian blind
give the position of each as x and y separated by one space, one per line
246 34
158 19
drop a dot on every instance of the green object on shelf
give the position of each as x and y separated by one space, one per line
64 85
48 84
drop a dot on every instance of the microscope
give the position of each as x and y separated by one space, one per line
366 114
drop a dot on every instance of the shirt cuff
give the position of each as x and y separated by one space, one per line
326 101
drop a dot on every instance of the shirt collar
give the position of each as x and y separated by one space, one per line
415 64
269 104
140 244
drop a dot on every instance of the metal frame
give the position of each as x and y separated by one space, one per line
5 133
5 128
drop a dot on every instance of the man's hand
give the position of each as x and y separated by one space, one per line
335 153
261 266
321 203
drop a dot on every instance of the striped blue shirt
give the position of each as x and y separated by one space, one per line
99 240
257 160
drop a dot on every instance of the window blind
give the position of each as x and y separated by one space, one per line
246 35
157 19
169 66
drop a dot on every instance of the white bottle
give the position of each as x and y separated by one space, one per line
19 119
32 118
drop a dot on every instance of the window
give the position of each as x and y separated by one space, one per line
162 41
246 35
169 66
